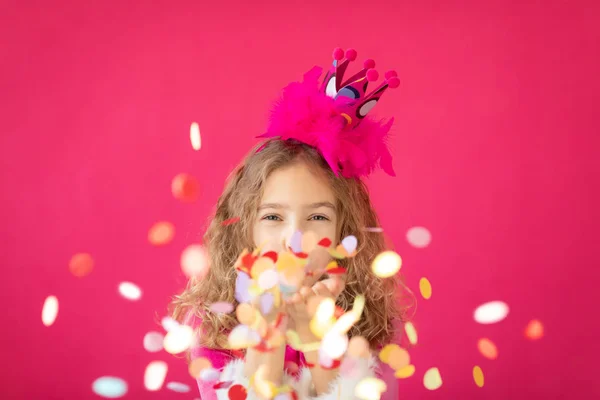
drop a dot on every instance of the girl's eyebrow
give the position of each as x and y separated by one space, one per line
319 204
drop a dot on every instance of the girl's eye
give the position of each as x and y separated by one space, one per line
319 218
271 217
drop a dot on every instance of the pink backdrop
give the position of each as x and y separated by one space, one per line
495 149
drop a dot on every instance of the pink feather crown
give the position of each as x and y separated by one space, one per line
331 116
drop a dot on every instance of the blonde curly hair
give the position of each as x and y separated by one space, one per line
241 198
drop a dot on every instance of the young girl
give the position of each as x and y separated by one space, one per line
305 178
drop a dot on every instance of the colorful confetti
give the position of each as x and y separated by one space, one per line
169 323
109 387
81 264
432 380
194 261
405 372
386 264
221 307
230 221
374 229
130 291
237 392
185 188
209 375
418 237
198 365
334 344
487 348
411 332
370 388
534 330
425 288
161 233
478 376
154 375
490 313
398 358
350 243
178 387
153 342
49 310
178 339
195 138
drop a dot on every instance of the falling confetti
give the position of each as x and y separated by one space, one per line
178 339
478 376
168 323
432 379
490 313
411 332
161 233
185 188
178 387
375 229
155 374
194 261
398 358
370 388
405 372
209 375
81 264
534 330
386 264
130 291
334 345
109 387
230 221
195 138
153 341
198 365
425 287
418 237
384 354
350 243
487 348
221 307
245 314
309 242
49 310
237 392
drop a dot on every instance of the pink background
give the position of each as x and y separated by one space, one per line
495 148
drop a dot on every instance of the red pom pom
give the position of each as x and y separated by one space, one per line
393 82
372 75
338 54
237 392
369 64
351 54
390 74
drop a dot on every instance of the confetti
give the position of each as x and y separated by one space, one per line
245 314
268 279
194 261
487 348
534 330
242 337
169 323
425 287
195 138
370 388
478 376
153 341
242 288
209 375
81 264
267 301
185 188
334 344
405 372
49 310
398 358
178 387
130 291
418 237
345 322
197 366
309 242
350 243
386 264
384 354
358 347
432 379
375 229
221 307
154 375
296 242
178 339
325 310
161 233
490 313
230 221
109 387
411 332
237 392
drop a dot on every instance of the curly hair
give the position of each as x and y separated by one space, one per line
241 198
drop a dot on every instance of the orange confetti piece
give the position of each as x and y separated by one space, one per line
478 376
81 264
534 330
398 358
487 348
185 188
405 372
197 366
161 233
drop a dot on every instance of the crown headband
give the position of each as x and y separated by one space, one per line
331 116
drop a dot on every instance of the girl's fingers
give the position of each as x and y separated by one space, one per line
305 292
320 289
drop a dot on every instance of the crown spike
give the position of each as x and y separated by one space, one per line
351 54
372 75
338 54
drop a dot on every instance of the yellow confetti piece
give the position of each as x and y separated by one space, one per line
359 305
432 379
478 376
178 339
386 264
411 332
325 310
384 354
336 254
425 287
405 372
333 264
370 388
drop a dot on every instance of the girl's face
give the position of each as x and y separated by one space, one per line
294 199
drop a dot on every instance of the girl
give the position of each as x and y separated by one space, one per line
305 177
